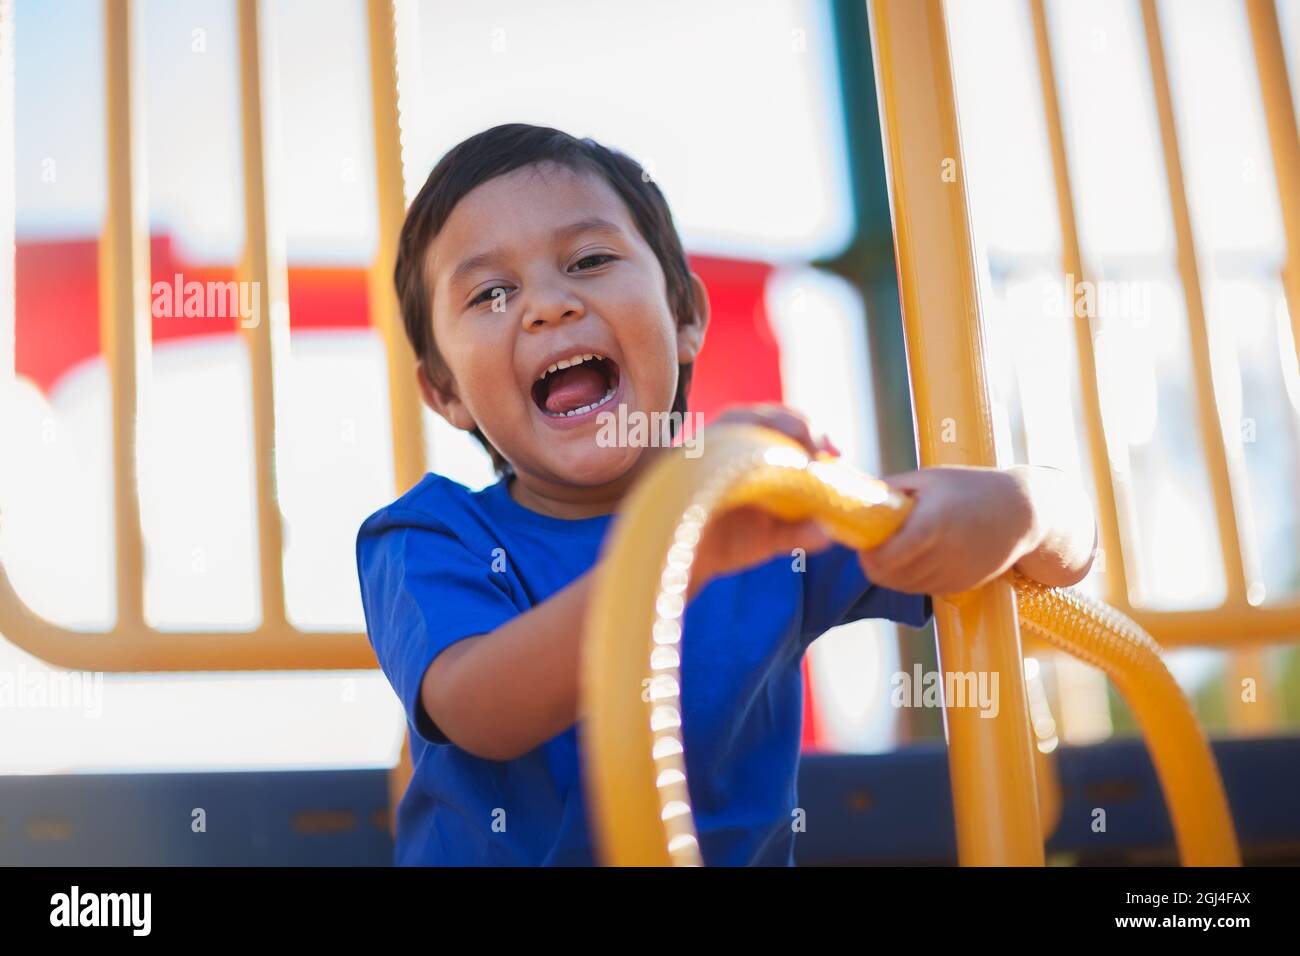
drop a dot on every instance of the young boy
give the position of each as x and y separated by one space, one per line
542 284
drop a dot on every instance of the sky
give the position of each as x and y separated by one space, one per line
718 106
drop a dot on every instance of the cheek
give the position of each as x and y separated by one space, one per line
654 352
649 338
481 368
485 356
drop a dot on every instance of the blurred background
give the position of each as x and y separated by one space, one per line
758 120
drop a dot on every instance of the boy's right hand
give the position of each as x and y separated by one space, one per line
747 536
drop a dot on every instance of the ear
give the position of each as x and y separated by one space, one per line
690 334
444 401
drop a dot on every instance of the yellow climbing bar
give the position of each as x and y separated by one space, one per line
634 756
990 760
275 644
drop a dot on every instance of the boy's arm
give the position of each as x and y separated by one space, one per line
1064 527
502 694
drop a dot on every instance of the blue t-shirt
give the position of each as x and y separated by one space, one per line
443 563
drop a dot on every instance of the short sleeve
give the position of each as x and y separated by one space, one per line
836 591
422 591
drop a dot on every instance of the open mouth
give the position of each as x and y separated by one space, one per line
576 385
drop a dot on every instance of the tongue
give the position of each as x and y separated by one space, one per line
574 387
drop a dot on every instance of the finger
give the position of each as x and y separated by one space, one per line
789 423
810 536
766 529
909 482
920 577
919 573
737 527
923 573
744 544
942 578
918 535
751 527
775 416
787 537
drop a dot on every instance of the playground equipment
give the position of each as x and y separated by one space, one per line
997 802
635 758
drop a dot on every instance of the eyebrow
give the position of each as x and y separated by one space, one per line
590 224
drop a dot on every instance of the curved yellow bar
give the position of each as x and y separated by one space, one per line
1105 638
631 732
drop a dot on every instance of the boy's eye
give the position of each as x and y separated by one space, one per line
594 260
490 293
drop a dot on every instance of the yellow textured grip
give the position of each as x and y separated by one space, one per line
631 728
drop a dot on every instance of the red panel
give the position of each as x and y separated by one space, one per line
57 308
57 302
740 362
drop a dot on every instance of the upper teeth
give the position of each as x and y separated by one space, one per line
571 360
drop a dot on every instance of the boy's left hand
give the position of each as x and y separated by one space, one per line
967 526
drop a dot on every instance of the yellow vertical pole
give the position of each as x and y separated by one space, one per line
264 267
1227 482
1103 479
991 759
125 335
1260 714
1280 115
409 462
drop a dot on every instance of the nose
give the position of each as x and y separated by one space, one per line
549 303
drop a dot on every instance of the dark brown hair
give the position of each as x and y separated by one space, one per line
503 149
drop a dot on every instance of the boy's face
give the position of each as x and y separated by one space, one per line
534 268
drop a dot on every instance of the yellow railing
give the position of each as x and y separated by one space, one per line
1280 116
1239 620
132 644
943 325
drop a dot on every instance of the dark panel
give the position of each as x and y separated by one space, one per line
303 818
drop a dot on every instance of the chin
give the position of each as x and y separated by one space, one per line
596 466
